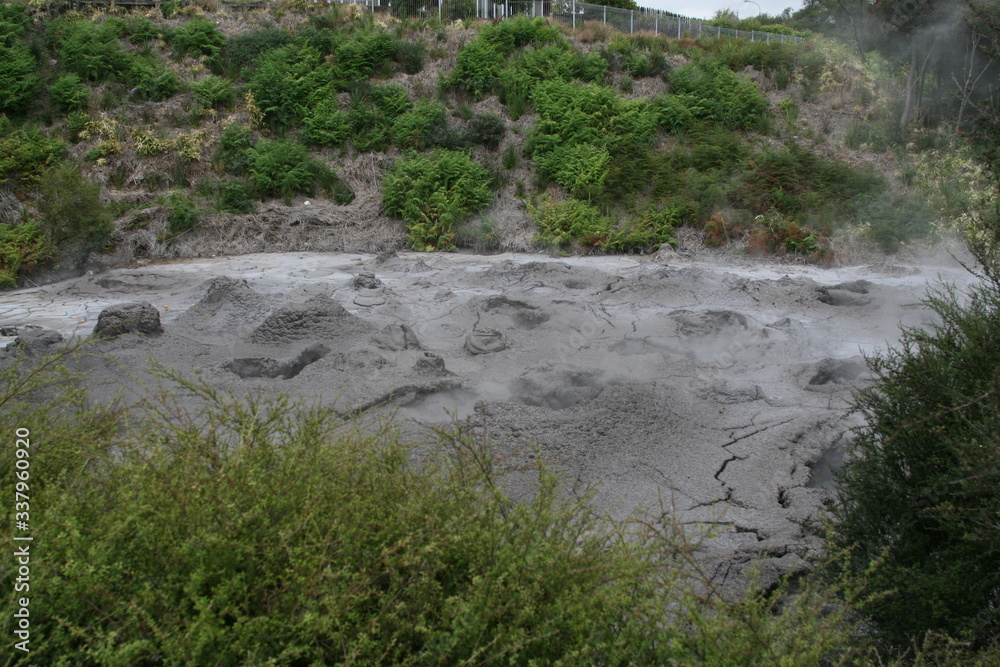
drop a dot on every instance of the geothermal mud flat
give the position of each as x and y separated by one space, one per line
718 388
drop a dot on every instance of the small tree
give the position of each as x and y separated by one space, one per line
73 214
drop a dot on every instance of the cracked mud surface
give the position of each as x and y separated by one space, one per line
718 388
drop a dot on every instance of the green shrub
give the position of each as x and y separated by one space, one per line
151 80
325 124
288 81
362 55
25 154
411 56
918 493
213 91
182 214
198 37
243 51
234 142
19 80
645 232
713 93
433 192
486 129
141 31
580 168
69 93
374 110
424 126
22 247
283 168
565 222
72 212
477 67
93 50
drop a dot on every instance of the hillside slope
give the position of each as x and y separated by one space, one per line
152 135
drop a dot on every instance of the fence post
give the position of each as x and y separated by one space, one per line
574 14
605 19
631 21
439 9
718 32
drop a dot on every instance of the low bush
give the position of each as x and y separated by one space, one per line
73 214
478 67
22 247
198 37
182 215
433 192
19 80
422 127
284 168
151 80
713 93
411 56
325 124
561 223
25 154
486 129
92 50
234 142
69 93
235 198
374 110
242 52
213 91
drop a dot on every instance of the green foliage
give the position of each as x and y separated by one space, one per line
433 192
374 110
69 93
284 168
580 168
242 52
569 222
672 115
422 127
22 247
285 81
198 37
713 93
234 142
918 494
151 80
213 91
477 67
92 50
486 129
325 124
411 56
25 154
181 213
363 55
72 212
560 223
19 80
796 180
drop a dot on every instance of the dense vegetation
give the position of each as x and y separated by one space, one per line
110 115
169 113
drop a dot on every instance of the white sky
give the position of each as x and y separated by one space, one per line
706 8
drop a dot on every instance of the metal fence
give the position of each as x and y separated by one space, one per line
567 11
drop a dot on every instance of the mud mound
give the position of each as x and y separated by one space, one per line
123 318
524 315
397 337
843 296
36 342
262 367
837 371
708 323
319 318
556 389
228 305
485 341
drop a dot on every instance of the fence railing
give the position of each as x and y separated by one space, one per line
567 11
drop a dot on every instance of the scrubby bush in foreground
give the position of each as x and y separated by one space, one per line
920 493
219 529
